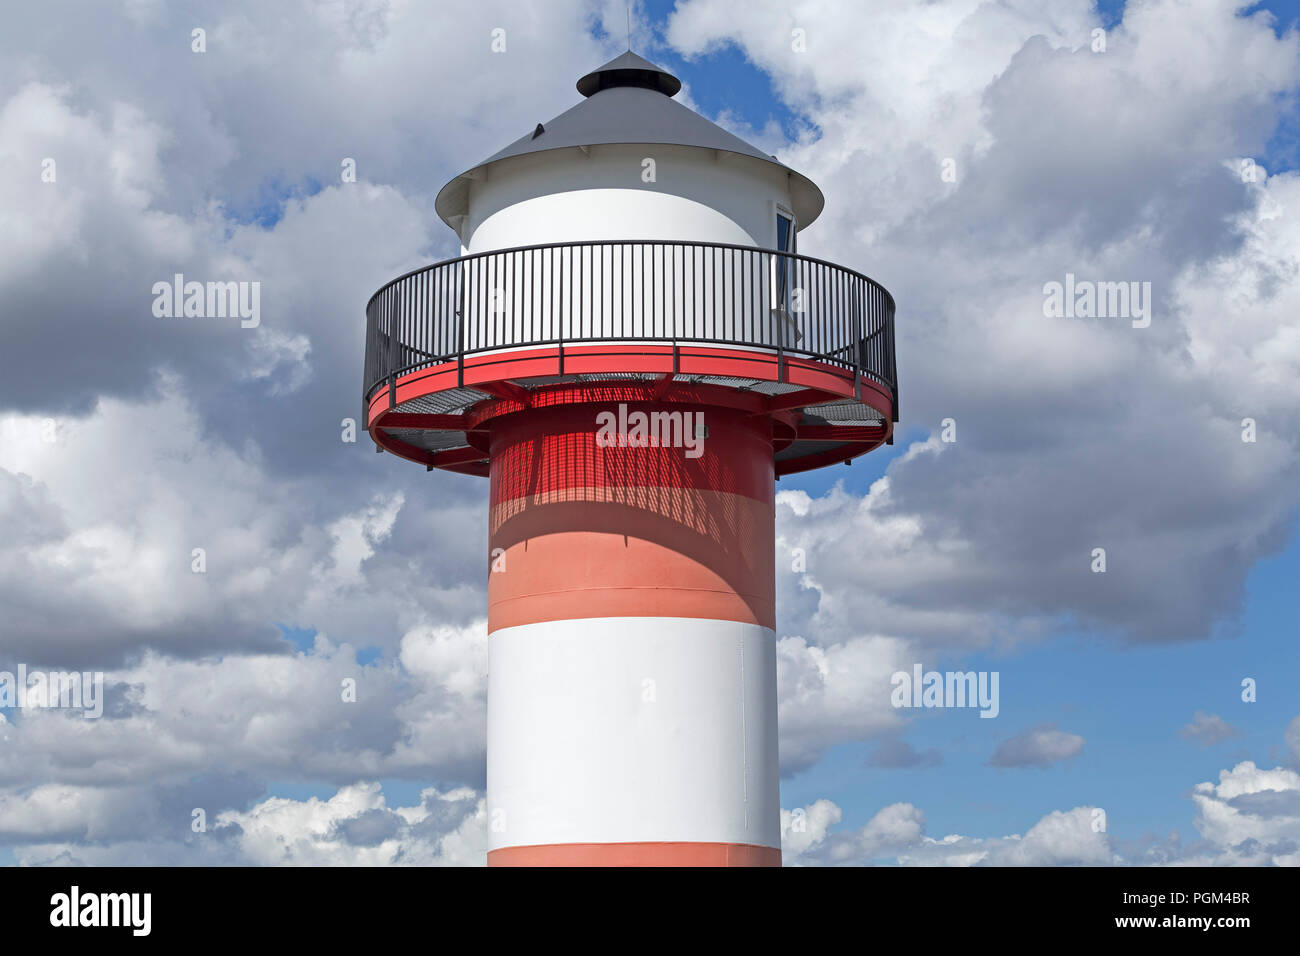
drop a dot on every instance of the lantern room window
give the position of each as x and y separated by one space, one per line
785 242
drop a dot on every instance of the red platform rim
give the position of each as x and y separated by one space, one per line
510 380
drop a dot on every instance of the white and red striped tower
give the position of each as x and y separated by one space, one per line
633 351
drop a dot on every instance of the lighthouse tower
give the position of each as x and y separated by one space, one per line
632 351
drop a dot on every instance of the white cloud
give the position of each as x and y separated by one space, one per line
1252 815
1208 729
1037 747
283 715
316 832
122 553
354 827
828 695
897 834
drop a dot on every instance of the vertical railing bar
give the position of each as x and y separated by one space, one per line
392 364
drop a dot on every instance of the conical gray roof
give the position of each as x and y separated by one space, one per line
629 100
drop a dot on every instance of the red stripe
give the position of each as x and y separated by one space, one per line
547 450
660 553
582 531
636 854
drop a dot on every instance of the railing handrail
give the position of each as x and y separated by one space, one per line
630 242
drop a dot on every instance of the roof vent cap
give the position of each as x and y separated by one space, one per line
628 69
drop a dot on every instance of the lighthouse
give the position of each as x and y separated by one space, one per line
632 351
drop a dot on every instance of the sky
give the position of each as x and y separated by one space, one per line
128 440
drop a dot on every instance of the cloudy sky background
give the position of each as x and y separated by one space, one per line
1120 692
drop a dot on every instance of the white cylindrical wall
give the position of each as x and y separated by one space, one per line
698 195
596 293
632 730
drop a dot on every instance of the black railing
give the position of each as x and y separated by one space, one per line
651 291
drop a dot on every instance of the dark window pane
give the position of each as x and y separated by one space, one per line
783 233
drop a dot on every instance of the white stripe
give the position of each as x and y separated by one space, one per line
632 729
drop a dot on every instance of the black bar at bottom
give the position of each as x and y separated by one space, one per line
977 907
